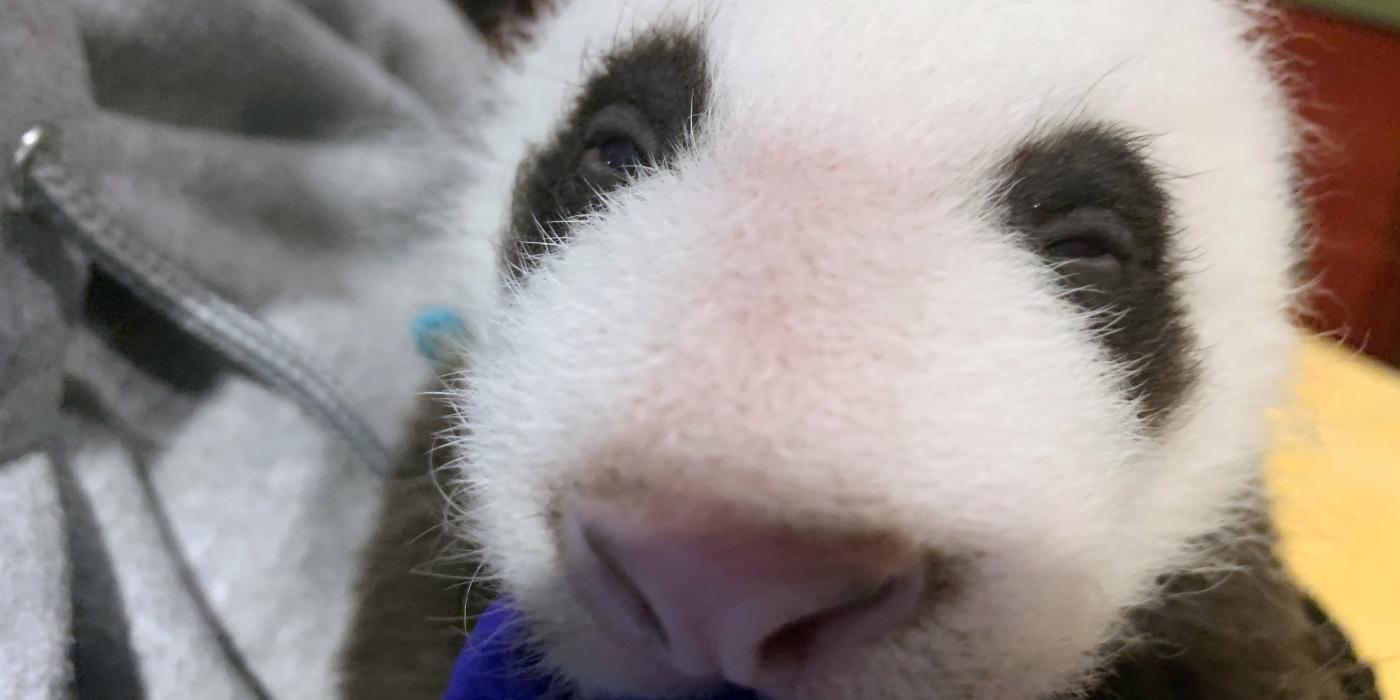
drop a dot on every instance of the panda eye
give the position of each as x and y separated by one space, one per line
1077 247
619 141
1089 247
619 153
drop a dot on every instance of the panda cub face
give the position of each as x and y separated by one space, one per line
871 350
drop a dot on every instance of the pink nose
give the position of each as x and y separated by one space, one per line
753 605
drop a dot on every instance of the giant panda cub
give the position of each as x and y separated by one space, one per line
879 350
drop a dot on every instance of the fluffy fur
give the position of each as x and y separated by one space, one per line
817 313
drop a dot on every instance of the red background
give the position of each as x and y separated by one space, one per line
1350 87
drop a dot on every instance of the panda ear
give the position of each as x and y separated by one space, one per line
505 23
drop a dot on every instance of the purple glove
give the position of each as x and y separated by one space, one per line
494 667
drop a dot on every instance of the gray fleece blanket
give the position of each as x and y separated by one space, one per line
172 526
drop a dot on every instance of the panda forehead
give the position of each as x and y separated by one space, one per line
960 82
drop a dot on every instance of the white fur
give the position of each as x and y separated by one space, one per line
816 313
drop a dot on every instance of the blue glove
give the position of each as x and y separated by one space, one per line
493 666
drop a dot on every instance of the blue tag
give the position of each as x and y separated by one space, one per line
496 665
439 332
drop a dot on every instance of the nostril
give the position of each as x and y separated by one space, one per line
865 612
794 643
636 608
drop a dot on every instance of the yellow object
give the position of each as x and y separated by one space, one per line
1336 480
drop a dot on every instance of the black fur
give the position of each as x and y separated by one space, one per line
661 79
1249 632
502 22
1090 203
413 605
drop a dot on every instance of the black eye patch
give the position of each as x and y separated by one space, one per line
634 114
1092 206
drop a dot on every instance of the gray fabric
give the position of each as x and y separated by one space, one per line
51 192
42 74
34 600
294 156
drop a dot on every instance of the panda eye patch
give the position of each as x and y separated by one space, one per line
632 117
1090 203
1091 206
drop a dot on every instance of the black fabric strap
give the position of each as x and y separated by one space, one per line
104 663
